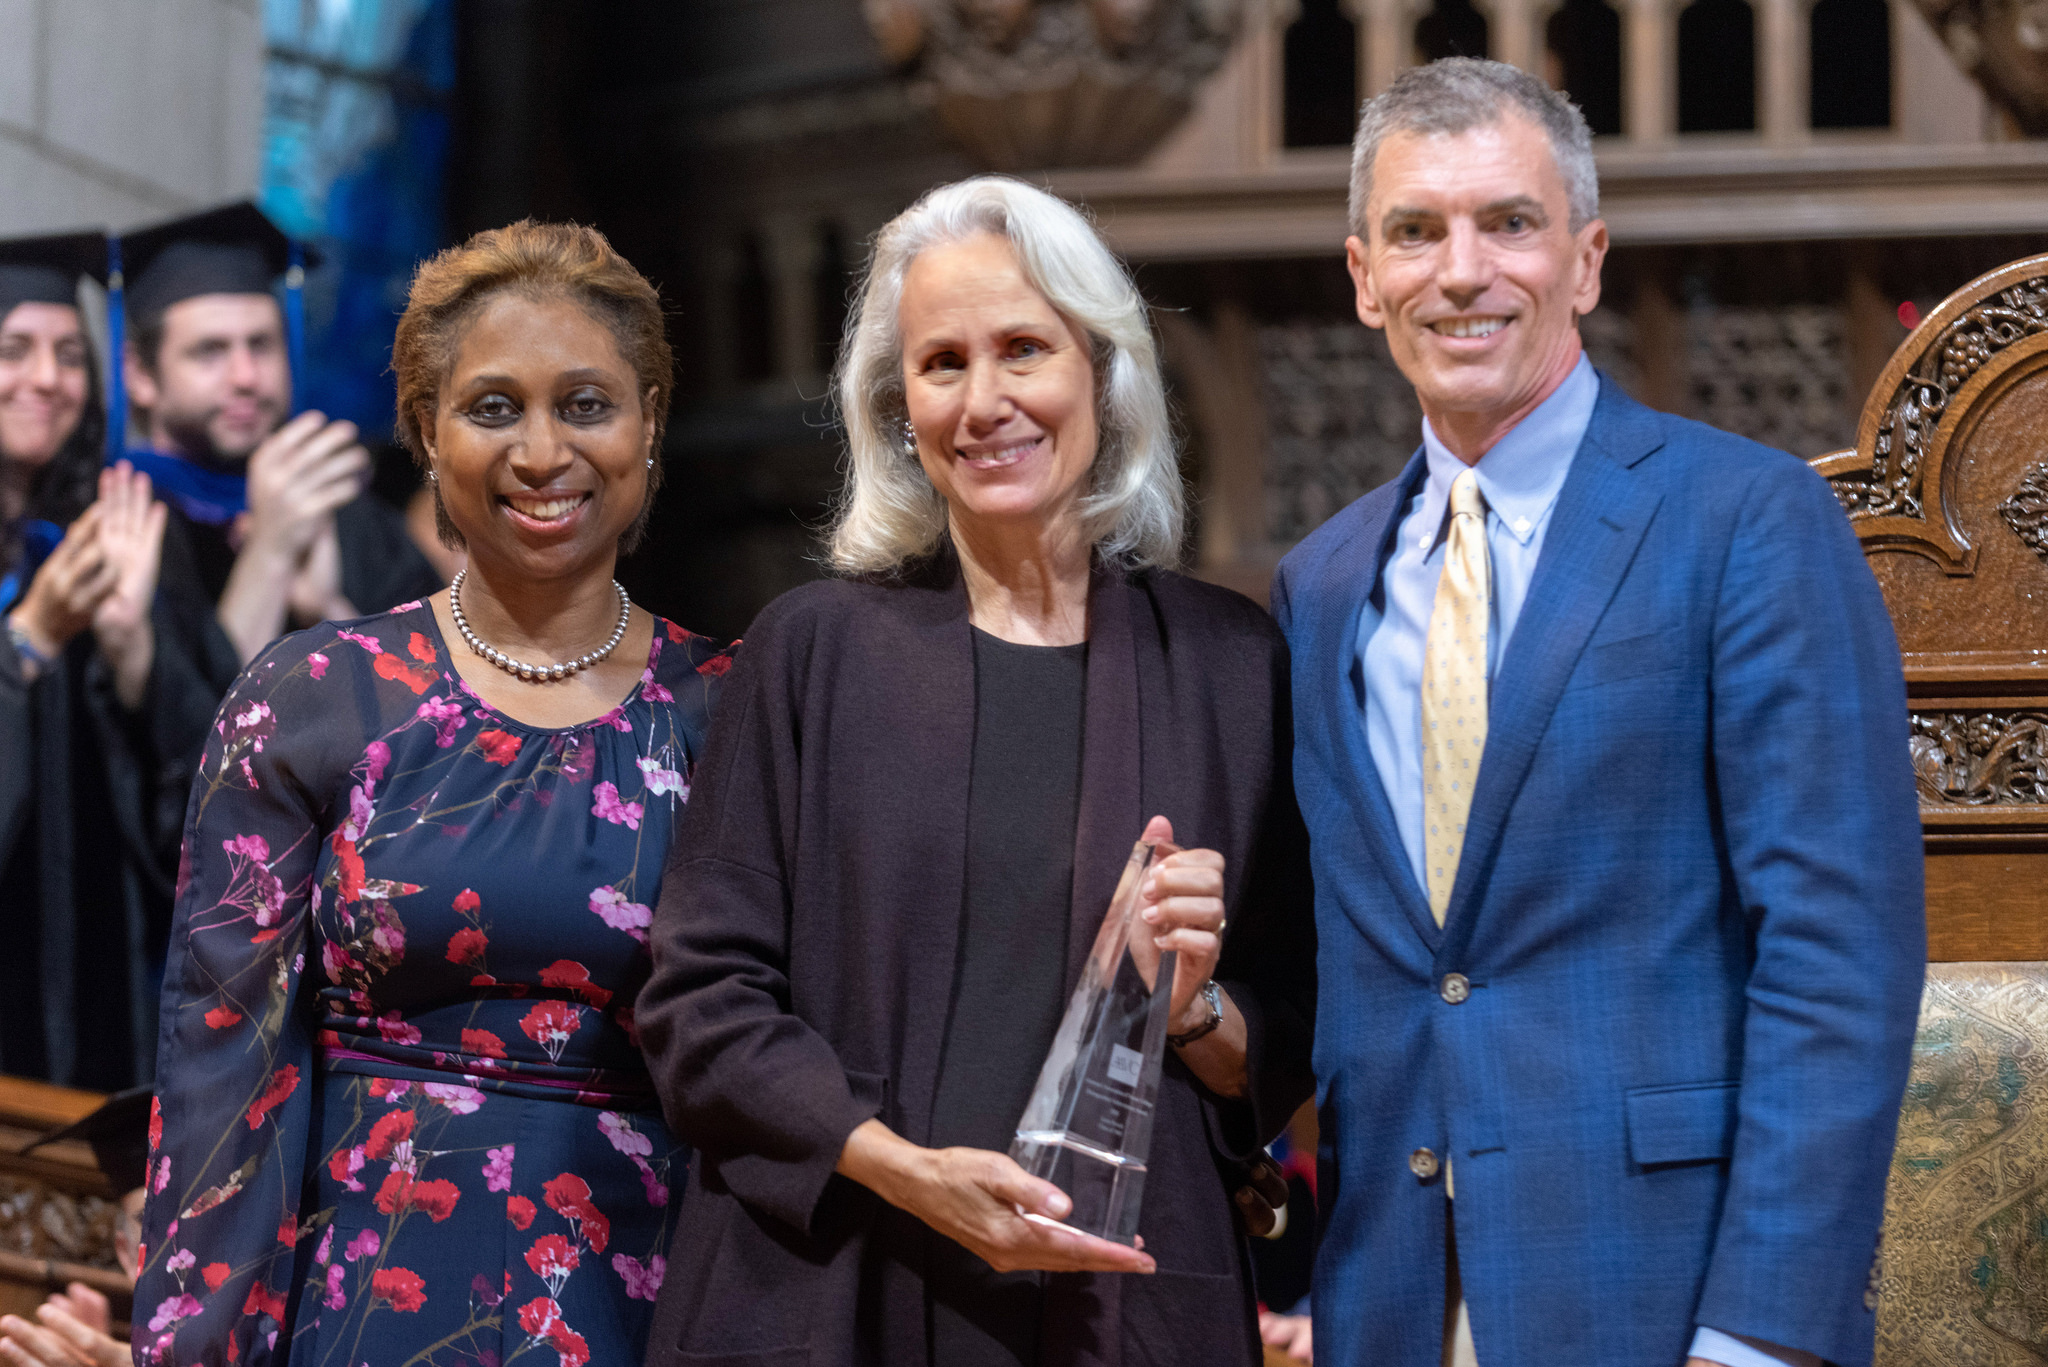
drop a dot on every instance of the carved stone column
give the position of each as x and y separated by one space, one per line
1784 34
1515 31
1650 69
791 247
1386 31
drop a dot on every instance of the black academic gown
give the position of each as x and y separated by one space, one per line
85 894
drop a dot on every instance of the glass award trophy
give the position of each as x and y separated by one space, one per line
1088 1125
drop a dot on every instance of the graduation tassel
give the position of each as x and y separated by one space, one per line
295 321
117 343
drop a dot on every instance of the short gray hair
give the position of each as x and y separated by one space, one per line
888 514
1457 94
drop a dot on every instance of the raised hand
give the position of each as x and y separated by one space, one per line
132 533
1182 900
72 1333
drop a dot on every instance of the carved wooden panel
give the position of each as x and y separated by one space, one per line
57 1211
1947 487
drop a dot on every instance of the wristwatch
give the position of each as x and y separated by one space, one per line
1212 994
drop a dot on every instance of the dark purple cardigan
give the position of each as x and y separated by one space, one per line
804 950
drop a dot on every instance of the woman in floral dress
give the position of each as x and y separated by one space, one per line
403 1116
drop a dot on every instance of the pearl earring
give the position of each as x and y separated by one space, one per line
909 437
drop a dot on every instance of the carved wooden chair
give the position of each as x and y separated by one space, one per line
1947 487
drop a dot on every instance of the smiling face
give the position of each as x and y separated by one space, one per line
540 439
1473 270
43 383
221 381
1000 388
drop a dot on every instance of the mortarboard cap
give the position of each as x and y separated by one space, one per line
46 270
234 249
119 1135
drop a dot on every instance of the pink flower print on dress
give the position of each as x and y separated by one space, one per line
316 664
642 1283
549 1024
393 1028
364 1245
619 813
632 917
361 812
458 1099
638 1148
376 759
336 1298
653 691
182 1261
498 1171
182 1307
445 715
368 643
661 780
344 1166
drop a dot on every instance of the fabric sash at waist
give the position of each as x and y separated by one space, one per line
611 1089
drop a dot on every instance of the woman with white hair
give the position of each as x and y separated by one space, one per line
909 822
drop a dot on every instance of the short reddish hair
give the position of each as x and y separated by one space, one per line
539 261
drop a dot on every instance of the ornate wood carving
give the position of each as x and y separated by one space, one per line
2003 44
57 1212
2026 510
1895 483
1025 84
1981 758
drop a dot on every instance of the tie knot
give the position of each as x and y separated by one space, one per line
1465 496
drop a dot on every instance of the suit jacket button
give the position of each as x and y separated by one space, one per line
1423 1164
1455 988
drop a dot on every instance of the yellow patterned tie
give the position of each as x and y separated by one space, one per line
1454 689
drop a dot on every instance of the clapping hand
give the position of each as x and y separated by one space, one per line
131 534
72 1333
67 588
1182 900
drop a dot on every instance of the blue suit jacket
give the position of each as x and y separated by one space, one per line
1690 906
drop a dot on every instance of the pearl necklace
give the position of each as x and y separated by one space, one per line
533 673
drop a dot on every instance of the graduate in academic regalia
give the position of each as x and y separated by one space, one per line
84 897
270 529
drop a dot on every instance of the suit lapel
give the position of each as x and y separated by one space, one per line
1601 515
1356 568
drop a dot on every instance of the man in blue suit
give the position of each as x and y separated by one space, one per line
1601 737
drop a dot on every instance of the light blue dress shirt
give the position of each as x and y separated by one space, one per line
1519 478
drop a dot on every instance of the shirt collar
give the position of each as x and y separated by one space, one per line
1521 476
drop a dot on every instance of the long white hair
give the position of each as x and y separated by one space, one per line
888 513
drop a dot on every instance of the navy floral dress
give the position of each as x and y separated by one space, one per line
403 1117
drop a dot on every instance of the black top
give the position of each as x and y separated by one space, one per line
1023 794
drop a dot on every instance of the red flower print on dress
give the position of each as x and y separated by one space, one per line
676 633
717 666
399 1192
389 1088
643 1283
566 975
499 747
415 677
549 1024
283 1083
156 1123
467 901
402 1287
467 945
420 649
344 1166
349 865
569 1345
213 1274
263 1301
520 1212
569 1197
608 806
615 911
552 1259
220 1018
387 1133
539 1315
288 1231
483 1044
